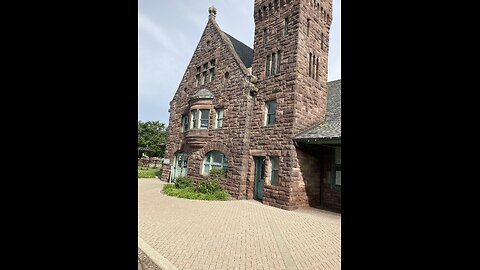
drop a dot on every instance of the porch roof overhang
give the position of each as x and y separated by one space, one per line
328 132
327 141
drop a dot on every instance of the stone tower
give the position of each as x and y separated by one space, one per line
290 63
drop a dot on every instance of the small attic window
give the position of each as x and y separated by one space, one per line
208 42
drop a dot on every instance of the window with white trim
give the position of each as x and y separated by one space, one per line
214 159
199 118
193 119
184 123
219 118
270 109
273 171
204 116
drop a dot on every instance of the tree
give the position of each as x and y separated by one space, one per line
152 136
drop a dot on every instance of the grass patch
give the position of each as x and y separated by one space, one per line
191 193
149 172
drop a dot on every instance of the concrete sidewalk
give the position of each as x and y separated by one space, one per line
241 234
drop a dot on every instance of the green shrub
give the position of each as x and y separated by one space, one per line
183 182
209 187
217 174
168 187
190 193
219 195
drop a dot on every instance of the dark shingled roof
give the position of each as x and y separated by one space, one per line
331 128
244 52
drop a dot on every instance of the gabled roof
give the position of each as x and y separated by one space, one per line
243 51
331 128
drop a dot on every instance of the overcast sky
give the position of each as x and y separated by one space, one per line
169 32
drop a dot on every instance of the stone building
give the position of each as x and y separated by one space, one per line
267 115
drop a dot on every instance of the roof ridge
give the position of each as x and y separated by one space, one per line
230 46
237 40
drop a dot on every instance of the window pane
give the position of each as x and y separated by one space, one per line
279 59
219 116
184 123
272 119
213 159
273 170
217 157
267 71
204 77
338 181
212 74
204 115
264 37
272 107
274 179
193 117
275 163
273 64
338 156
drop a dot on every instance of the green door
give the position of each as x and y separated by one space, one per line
259 177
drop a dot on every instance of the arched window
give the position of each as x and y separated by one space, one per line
214 159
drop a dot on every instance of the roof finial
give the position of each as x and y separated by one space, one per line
212 11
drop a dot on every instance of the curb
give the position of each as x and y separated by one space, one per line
158 259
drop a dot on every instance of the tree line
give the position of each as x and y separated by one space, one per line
152 136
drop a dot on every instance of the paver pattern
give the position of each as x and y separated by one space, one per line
237 234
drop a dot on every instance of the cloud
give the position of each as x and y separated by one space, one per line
168 33
157 33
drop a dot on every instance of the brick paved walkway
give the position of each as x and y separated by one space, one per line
239 234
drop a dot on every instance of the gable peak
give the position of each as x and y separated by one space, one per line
212 11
